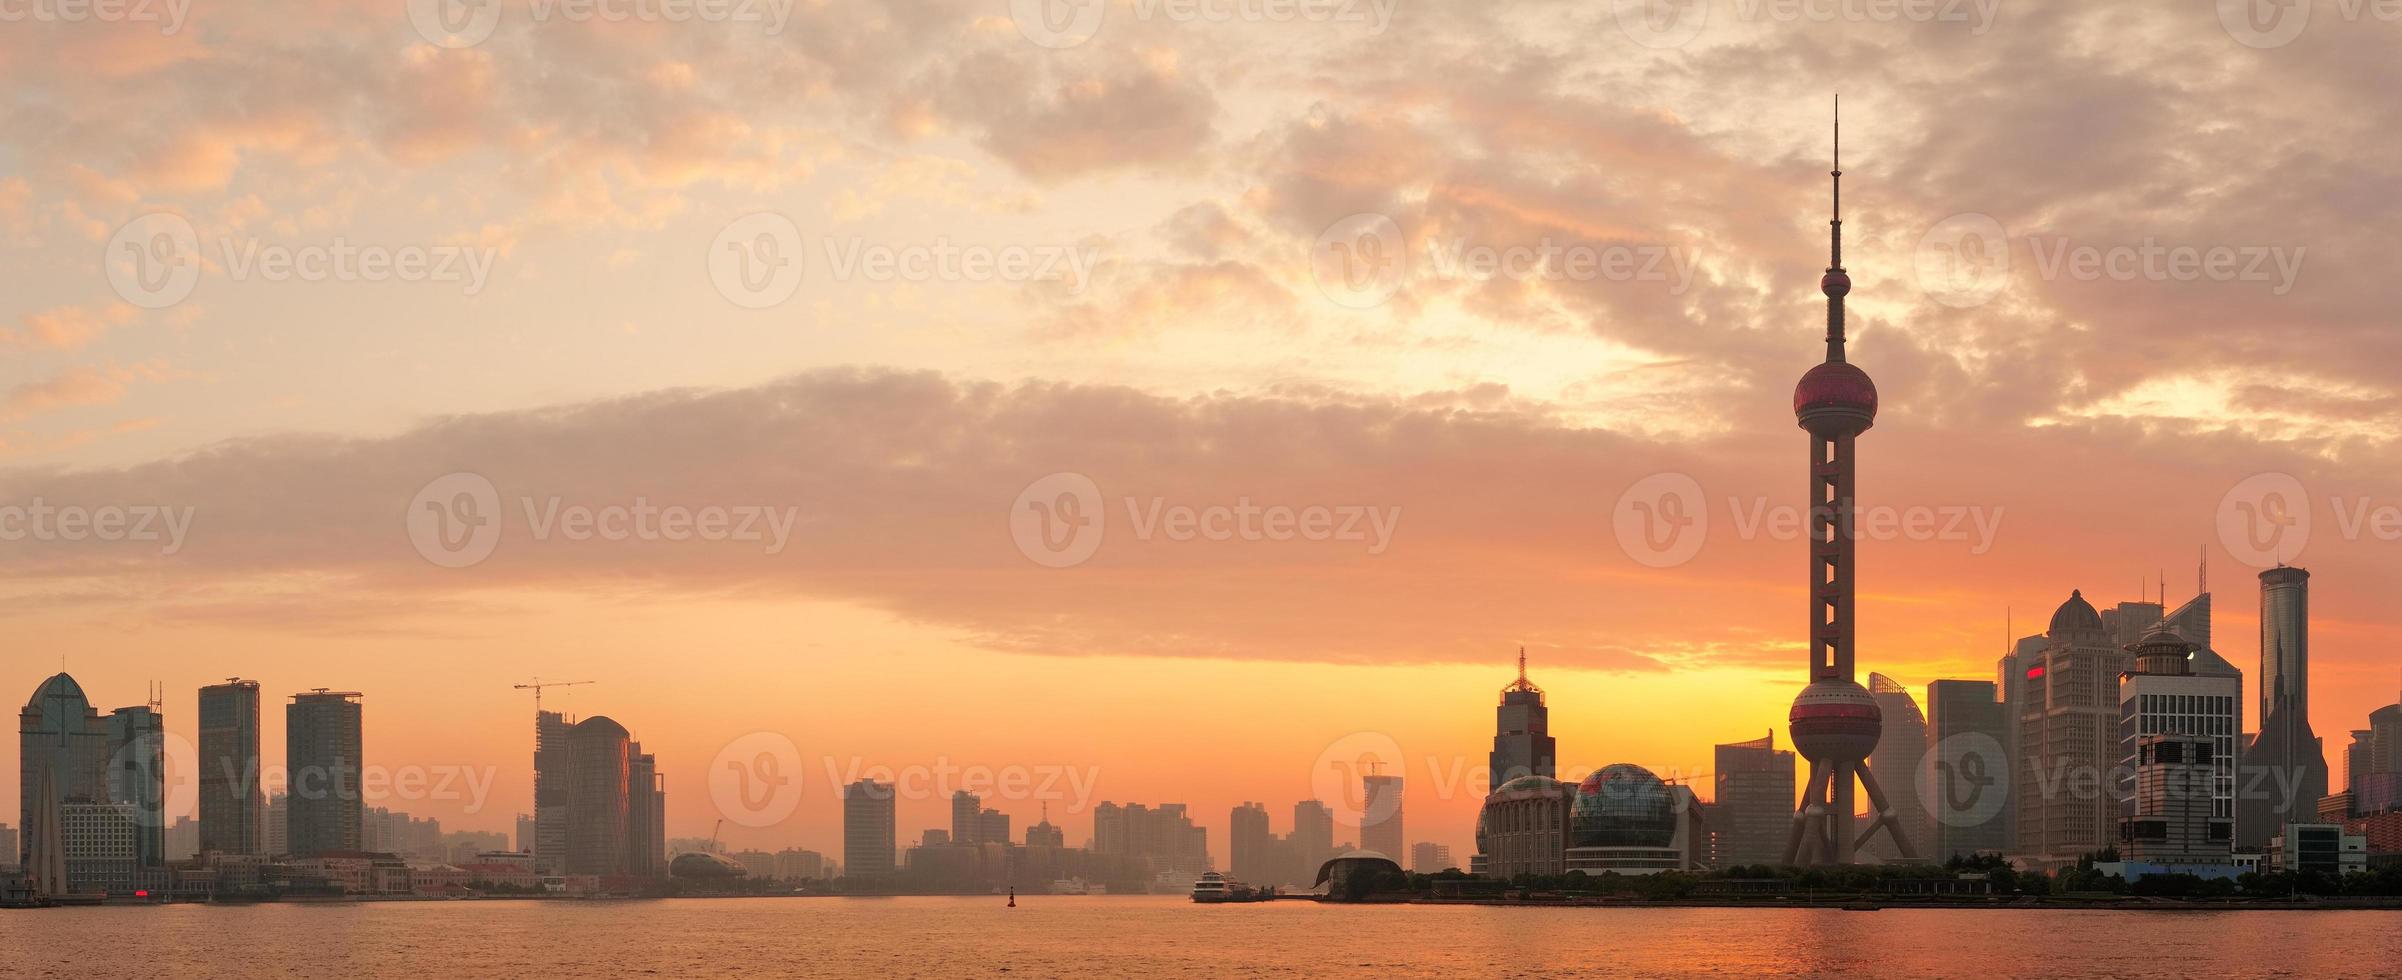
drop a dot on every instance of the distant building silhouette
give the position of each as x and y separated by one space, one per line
233 799
323 733
1380 830
62 752
1753 794
869 834
1967 786
1901 746
137 777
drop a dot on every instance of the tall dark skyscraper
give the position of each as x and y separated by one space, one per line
551 791
967 817
2285 640
1835 721
233 803
1380 827
599 801
1753 793
137 777
1522 742
2283 772
869 829
1967 780
323 733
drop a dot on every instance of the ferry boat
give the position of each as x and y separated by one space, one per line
1213 887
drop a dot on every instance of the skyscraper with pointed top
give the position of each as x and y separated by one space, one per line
1835 722
1522 742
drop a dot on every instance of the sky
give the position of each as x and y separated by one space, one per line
1161 401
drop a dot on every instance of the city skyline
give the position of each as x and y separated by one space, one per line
1503 445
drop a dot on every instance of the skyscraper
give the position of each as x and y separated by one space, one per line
2283 772
2162 694
1835 721
869 829
1380 816
552 789
646 814
599 798
233 802
2171 819
1522 742
2285 640
1428 858
137 777
1753 793
967 811
1248 842
2068 739
323 733
62 753
1966 784
1901 744
1313 835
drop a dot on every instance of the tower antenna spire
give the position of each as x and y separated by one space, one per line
1836 283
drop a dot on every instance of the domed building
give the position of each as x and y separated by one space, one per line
2069 725
705 865
1627 820
1523 828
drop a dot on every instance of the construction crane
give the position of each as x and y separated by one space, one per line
539 684
721 828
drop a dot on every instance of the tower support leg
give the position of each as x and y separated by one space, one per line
1885 817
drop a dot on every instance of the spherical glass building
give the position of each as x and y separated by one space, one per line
1628 821
1623 806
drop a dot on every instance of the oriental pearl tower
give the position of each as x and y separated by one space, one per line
1835 720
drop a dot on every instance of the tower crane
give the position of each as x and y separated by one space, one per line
539 684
